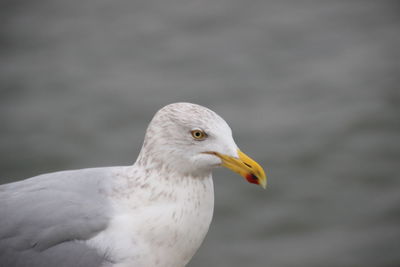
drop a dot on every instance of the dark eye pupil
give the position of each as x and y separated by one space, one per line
199 135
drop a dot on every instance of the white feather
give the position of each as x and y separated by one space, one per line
163 204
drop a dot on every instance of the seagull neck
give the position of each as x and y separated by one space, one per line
149 164
153 183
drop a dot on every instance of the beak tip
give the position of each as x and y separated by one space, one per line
263 182
251 178
263 185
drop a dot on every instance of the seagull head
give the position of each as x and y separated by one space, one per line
191 139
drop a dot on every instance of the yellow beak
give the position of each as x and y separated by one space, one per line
245 166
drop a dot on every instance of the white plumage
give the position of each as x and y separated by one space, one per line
154 213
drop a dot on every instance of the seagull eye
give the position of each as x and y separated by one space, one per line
198 134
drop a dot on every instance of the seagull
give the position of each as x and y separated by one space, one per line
155 212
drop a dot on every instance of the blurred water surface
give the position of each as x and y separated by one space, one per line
310 88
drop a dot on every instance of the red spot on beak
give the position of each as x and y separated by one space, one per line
251 178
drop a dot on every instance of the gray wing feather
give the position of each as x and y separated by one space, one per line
67 254
44 219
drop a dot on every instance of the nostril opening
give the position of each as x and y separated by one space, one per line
248 165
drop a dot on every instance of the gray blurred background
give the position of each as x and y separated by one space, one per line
310 89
